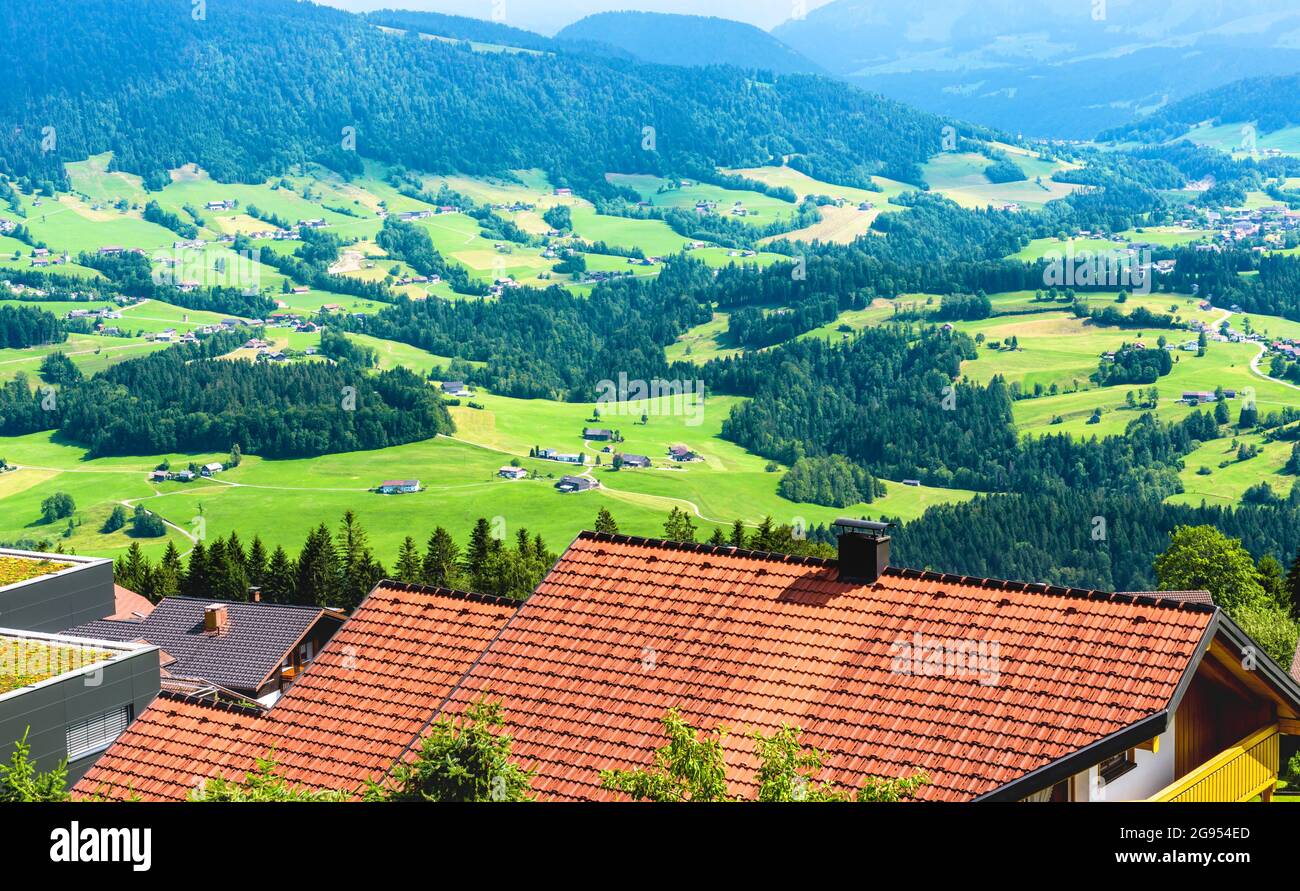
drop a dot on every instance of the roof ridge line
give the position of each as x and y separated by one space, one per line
443 591
223 602
905 572
704 548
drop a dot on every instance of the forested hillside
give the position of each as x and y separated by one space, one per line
187 399
220 92
1087 539
1268 102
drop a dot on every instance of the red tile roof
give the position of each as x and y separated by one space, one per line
624 629
368 694
129 605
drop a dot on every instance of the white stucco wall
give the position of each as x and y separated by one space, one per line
1154 771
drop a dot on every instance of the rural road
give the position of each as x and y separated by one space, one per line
1254 366
1259 357
193 539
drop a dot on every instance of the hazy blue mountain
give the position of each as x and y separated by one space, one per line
1268 102
459 27
482 31
689 40
1064 68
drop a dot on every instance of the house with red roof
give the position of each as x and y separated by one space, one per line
994 690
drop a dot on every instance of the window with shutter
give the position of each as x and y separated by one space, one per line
96 733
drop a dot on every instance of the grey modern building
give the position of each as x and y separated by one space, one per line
71 697
53 592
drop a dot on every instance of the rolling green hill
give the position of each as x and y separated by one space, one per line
1267 103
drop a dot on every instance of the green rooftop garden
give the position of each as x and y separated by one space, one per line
20 569
26 661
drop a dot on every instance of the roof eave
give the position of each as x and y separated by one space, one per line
1273 673
1081 759
1125 738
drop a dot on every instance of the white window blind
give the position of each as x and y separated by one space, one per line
97 732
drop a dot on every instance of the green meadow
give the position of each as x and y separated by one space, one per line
1234 138
760 209
89 352
960 176
838 224
281 500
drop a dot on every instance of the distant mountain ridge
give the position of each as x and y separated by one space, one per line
1271 103
459 27
1049 67
690 40
331 87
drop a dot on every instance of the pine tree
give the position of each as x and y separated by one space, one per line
318 578
441 560
360 571
717 538
195 583
737 539
1292 586
352 539
408 562
1271 579
235 550
678 526
256 562
135 569
167 577
227 579
365 573
605 522
480 545
278 584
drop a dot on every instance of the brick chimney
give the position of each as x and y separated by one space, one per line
216 619
864 549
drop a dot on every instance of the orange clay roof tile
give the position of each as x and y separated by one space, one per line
624 628
350 715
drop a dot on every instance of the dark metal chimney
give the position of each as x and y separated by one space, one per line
864 549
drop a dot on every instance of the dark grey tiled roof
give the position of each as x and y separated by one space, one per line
258 636
1185 596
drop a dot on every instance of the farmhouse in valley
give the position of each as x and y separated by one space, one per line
398 487
568 484
512 473
563 457
681 453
